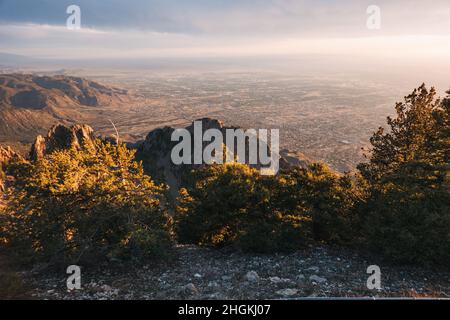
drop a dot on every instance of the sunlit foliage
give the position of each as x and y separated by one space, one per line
90 204
407 212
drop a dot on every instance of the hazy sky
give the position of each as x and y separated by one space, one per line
410 29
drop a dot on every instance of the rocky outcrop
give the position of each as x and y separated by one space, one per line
61 137
155 153
6 156
293 159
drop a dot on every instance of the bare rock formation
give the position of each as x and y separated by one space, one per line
155 154
61 137
6 156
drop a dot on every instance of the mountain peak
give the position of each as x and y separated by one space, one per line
61 137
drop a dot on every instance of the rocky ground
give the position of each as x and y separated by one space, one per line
200 273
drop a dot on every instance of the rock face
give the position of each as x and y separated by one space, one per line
61 137
155 153
289 159
251 276
6 155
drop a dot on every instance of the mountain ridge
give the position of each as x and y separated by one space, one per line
30 104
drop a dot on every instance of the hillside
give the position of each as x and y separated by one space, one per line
31 104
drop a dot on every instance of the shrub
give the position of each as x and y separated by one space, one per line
86 205
327 198
406 216
233 205
408 225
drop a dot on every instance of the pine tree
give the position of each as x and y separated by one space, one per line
88 204
407 213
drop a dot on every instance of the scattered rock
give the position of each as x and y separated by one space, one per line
279 280
252 276
275 279
226 276
106 288
313 269
287 292
317 279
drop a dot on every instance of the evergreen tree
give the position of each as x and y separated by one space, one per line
407 213
90 204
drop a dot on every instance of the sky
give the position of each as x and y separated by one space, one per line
409 29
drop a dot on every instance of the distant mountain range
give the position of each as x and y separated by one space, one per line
31 104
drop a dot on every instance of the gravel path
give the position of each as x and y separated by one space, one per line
201 273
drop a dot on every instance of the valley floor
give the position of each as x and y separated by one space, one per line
201 273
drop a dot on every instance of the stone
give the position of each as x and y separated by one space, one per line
313 269
279 280
252 276
6 155
287 292
275 279
317 279
106 288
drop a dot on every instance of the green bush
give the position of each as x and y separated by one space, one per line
327 198
86 205
234 205
406 215
407 226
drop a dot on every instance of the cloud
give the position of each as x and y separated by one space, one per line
58 42
238 17
144 28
